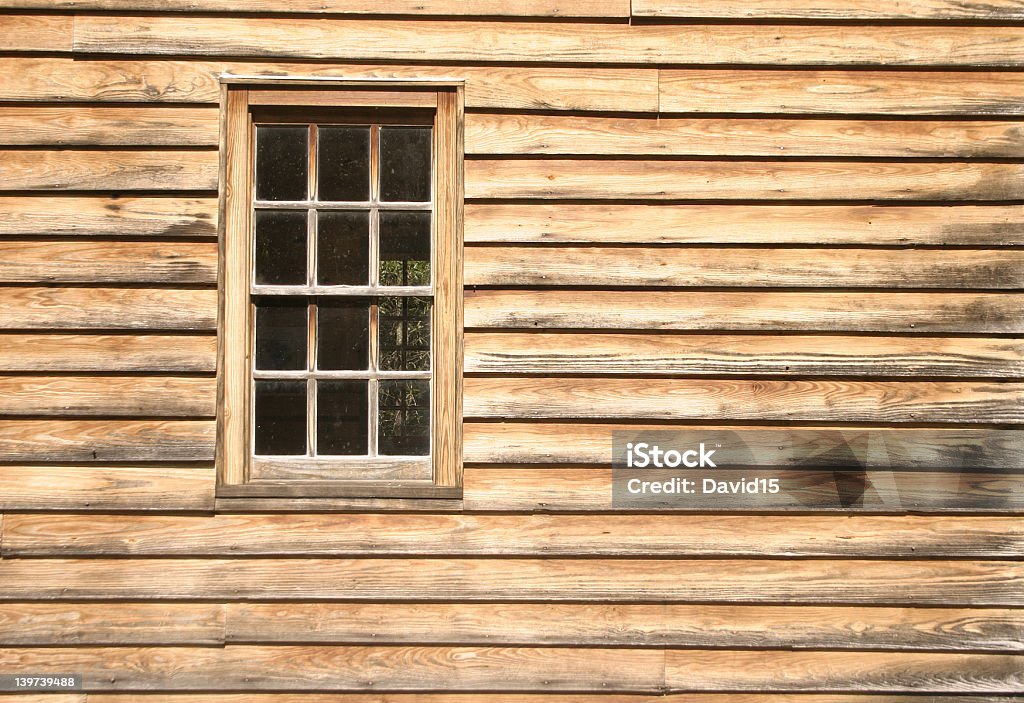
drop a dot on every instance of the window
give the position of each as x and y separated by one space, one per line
341 318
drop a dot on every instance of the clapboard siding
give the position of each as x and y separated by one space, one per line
864 10
50 33
105 352
60 215
107 308
101 261
108 126
128 396
107 170
105 440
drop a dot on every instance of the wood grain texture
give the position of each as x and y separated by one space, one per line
763 223
176 81
840 400
511 535
735 311
106 488
749 180
105 352
65 624
530 698
108 308
839 92
738 267
47 33
577 134
72 216
105 440
877 582
583 625
108 170
164 396
108 126
668 354
514 8
287 668
550 42
559 488
843 671
905 448
832 10
106 261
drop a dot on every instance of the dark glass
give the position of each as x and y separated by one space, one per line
281 335
343 242
341 413
282 162
404 336
404 408
405 164
281 247
343 163
280 410
405 248
343 334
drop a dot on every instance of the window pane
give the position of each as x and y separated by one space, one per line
343 334
280 410
282 163
405 248
404 334
341 417
405 164
280 247
343 163
343 241
281 335
404 427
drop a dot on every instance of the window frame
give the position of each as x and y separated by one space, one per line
241 96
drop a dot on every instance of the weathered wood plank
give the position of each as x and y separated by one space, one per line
170 81
105 440
511 535
106 488
832 10
586 625
165 396
858 581
736 311
49 33
753 180
550 42
288 668
43 624
107 170
973 225
103 261
668 354
564 489
531 698
102 352
556 134
843 671
496 8
108 308
686 399
108 126
839 92
72 216
737 267
905 448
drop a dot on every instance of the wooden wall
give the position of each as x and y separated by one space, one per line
751 213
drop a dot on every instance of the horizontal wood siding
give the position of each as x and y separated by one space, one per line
767 216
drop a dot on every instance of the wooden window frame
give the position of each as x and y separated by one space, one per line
240 96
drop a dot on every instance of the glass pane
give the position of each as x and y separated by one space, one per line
404 418
343 241
343 334
405 248
280 410
281 335
281 247
405 164
404 334
282 162
343 163
341 417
